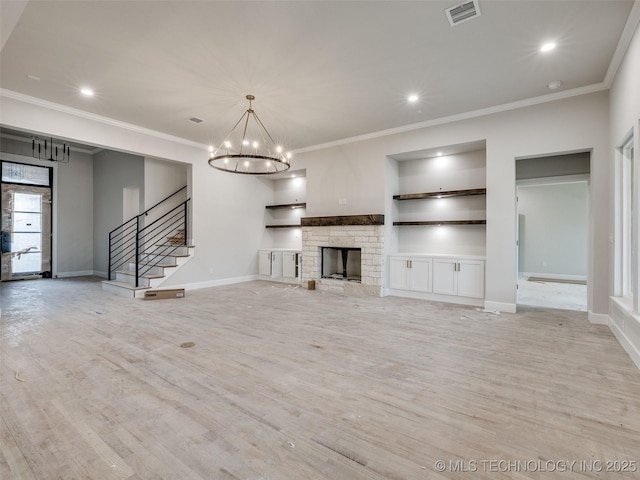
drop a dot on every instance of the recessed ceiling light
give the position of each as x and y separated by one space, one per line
554 85
547 47
412 98
439 154
87 92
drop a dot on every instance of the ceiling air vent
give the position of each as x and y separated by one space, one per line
463 12
196 120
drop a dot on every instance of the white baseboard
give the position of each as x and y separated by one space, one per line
501 307
631 349
214 283
98 273
598 318
555 276
79 273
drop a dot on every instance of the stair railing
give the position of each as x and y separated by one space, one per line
148 242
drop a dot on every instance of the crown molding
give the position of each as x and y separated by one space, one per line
97 118
623 44
552 97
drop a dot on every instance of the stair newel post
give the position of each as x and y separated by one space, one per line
137 243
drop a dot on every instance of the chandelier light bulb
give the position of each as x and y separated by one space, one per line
279 149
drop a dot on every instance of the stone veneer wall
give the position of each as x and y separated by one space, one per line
369 238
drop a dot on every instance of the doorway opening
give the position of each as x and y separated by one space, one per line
553 224
26 201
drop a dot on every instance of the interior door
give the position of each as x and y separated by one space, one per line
26 227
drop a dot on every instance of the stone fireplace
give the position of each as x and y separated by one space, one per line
353 233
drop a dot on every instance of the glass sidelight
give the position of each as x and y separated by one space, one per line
26 231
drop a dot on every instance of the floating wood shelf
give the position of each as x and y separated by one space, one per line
443 222
450 193
283 226
287 205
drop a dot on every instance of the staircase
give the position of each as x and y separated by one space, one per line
149 248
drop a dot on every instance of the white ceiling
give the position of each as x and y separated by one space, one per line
320 71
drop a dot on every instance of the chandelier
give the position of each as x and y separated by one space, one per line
48 150
251 150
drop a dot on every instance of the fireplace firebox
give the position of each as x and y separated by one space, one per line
341 263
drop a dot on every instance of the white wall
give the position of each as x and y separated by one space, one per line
553 230
624 114
162 178
72 209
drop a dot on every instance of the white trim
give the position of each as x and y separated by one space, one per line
98 273
560 179
554 276
79 273
97 118
623 43
433 297
500 307
552 97
598 318
214 283
628 346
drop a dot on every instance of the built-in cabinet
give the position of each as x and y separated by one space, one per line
459 277
280 265
410 273
437 277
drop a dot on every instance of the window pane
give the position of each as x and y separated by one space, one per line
27 263
22 241
27 174
27 202
27 222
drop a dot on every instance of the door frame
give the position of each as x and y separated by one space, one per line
53 172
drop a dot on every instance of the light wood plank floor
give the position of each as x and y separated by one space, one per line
284 383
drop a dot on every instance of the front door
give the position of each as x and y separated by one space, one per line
26 232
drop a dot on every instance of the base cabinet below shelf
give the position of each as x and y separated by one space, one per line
458 280
280 266
410 273
463 278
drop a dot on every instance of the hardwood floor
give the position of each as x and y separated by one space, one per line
285 383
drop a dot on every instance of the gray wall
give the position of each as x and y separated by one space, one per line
72 209
112 172
553 230
553 166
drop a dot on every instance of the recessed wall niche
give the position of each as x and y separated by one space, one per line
451 223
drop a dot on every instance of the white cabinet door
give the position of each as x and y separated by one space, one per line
264 262
445 276
276 265
398 273
289 265
420 274
471 278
